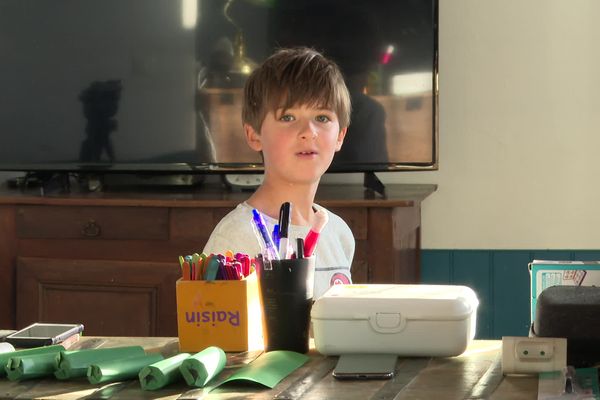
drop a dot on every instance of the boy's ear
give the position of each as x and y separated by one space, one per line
252 138
340 139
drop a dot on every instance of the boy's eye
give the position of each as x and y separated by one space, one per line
286 118
323 118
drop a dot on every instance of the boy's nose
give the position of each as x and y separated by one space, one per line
308 130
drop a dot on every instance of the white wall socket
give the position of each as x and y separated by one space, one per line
530 355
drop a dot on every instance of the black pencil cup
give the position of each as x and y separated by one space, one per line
286 293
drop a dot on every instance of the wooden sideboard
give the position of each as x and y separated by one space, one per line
109 260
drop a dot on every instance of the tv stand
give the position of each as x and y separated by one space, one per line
128 180
52 183
46 182
92 257
372 183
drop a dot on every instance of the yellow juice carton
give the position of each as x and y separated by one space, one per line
222 313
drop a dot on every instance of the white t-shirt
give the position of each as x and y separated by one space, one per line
333 254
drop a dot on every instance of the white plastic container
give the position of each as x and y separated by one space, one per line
407 320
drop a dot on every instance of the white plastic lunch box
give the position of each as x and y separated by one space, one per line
407 320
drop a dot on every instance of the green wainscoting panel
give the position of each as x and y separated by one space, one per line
550 255
510 282
437 266
586 255
472 269
499 277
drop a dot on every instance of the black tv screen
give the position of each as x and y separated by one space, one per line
156 85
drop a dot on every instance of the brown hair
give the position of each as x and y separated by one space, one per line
296 76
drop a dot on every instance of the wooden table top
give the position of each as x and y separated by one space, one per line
476 374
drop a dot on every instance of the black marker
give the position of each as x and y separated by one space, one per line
284 224
300 250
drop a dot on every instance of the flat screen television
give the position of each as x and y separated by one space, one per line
156 85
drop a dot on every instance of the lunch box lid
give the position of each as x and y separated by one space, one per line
389 302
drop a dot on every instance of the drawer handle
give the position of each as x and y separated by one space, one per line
91 229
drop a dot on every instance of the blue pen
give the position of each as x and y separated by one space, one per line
275 235
269 247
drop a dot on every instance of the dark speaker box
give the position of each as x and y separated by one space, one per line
571 312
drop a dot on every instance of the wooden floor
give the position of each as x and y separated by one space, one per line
474 375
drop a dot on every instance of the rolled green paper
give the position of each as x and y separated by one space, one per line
4 357
31 366
162 373
200 368
121 369
74 364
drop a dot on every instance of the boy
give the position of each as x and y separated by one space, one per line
296 112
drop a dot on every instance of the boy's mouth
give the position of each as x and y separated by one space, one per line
307 153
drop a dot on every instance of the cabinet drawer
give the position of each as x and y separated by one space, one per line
111 297
195 223
58 222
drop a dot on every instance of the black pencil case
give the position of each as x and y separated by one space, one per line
571 312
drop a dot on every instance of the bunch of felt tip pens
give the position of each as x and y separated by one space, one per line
276 245
228 266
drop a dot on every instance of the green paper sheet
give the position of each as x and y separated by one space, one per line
200 368
74 364
269 368
120 369
31 366
4 357
162 373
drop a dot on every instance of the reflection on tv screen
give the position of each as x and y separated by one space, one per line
157 84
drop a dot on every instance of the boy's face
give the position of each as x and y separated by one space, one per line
298 144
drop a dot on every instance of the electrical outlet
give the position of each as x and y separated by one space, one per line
534 350
530 355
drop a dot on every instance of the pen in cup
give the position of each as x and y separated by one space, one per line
300 248
263 235
284 224
275 235
310 242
